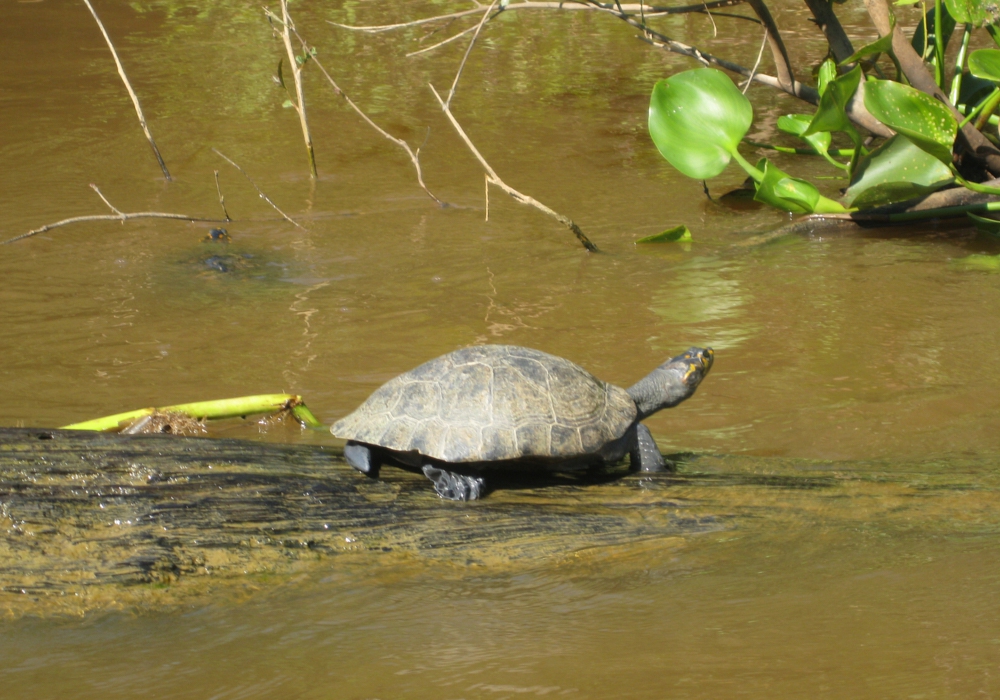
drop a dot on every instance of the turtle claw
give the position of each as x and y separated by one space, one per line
455 487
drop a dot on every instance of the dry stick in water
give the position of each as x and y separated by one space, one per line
288 26
629 9
491 175
131 92
259 191
414 155
222 200
117 216
493 178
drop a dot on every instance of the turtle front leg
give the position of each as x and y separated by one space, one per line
645 455
455 487
362 458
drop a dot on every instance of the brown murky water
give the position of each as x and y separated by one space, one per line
868 348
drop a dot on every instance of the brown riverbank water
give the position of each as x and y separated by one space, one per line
870 349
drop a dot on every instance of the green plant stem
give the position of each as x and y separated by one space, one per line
993 97
994 119
752 171
211 410
956 78
943 212
975 186
938 46
839 152
987 112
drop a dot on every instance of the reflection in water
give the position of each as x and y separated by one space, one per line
703 298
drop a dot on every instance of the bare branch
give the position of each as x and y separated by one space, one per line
840 44
105 199
131 92
117 216
222 200
494 179
288 26
442 43
626 9
783 65
472 42
414 155
259 191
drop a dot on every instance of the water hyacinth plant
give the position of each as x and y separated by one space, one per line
908 137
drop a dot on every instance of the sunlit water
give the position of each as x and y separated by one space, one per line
839 345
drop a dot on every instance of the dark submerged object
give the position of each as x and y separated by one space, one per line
504 407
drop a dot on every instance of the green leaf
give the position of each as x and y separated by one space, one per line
797 124
697 119
974 12
780 190
827 72
985 63
280 78
676 234
832 112
991 226
895 171
915 114
880 45
287 103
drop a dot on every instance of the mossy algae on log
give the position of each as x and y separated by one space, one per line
115 520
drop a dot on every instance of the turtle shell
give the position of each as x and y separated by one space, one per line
491 403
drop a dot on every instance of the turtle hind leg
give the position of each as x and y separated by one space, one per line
362 458
645 455
455 487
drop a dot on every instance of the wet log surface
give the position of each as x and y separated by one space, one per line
92 521
90 514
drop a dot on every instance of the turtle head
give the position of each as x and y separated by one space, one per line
672 382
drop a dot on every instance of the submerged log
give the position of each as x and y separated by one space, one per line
101 516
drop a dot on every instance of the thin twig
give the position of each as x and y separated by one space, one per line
414 155
626 10
222 200
259 191
472 42
442 43
494 179
782 64
131 92
760 55
117 216
288 26
105 199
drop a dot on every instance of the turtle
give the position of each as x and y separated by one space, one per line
473 411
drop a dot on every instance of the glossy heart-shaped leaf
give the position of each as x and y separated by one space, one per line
974 12
780 190
697 119
895 171
985 63
915 114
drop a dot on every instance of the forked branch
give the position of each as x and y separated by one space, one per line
494 179
117 216
414 155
